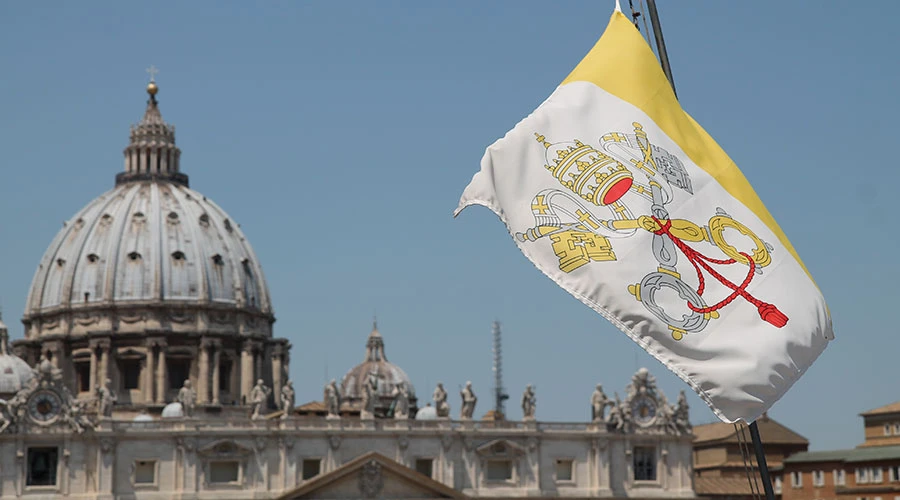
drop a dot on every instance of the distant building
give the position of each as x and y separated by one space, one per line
871 471
720 471
149 370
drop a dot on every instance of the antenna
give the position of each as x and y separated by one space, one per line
499 392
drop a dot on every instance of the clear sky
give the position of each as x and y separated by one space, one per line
341 134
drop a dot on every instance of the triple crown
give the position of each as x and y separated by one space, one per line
587 172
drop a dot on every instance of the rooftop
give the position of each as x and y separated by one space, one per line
883 410
871 454
770 431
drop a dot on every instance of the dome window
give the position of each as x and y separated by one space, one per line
92 257
228 225
178 255
139 217
172 217
204 220
218 260
79 223
106 219
60 262
134 256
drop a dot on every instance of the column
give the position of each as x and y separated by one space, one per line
258 364
246 371
148 374
277 353
104 362
217 354
161 372
93 376
203 378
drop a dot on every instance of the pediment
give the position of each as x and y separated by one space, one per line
372 475
224 448
500 448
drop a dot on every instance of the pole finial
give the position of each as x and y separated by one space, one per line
152 89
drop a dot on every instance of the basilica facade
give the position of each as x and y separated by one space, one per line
149 369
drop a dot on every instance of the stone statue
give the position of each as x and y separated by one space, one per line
287 399
258 396
401 401
370 393
440 401
666 416
6 416
468 402
106 398
186 397
333 400
529 403
599 402
681 415
616 418
76 416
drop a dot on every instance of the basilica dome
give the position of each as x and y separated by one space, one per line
387 374
150 241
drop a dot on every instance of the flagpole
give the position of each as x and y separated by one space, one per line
660 43
761 461
667 69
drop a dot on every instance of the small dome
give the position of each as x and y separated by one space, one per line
14 371
389 376
172 410
427 413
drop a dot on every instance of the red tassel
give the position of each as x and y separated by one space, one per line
771 314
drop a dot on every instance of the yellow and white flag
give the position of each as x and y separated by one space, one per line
622 199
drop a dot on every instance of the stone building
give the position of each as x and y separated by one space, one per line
871 471
149 370
720 471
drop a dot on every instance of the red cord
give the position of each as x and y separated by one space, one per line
768 312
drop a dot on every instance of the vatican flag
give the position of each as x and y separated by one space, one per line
622 199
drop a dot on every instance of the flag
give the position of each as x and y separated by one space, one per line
620 197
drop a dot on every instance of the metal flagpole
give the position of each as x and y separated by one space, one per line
660 43
754 428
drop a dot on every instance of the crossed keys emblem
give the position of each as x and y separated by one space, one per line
605 178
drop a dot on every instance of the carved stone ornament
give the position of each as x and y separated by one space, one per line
184 444
107 444
131 317
286 442
371 480
260 443
403 442
178 316
468 443
532 443
446 441
334 441
85 319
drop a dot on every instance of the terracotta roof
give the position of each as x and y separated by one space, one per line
731 486
769 430
871 454
891 408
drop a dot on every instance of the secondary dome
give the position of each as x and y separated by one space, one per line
14 372
389 376
150 240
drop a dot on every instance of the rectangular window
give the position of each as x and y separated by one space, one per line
42 464
83 376
777 486
425 466
564 470
225 376
876 474
862 475
839 477
894 473
818 478
145 472
644 463
311 468
887 429
796 479
224 471
179 371
499 470
897 429
131 374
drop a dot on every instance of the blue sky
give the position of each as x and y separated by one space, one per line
341 134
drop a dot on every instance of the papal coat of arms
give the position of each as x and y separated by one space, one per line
622 188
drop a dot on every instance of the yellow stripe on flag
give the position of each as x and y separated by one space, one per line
622 64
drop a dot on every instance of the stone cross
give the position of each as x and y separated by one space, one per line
153 71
